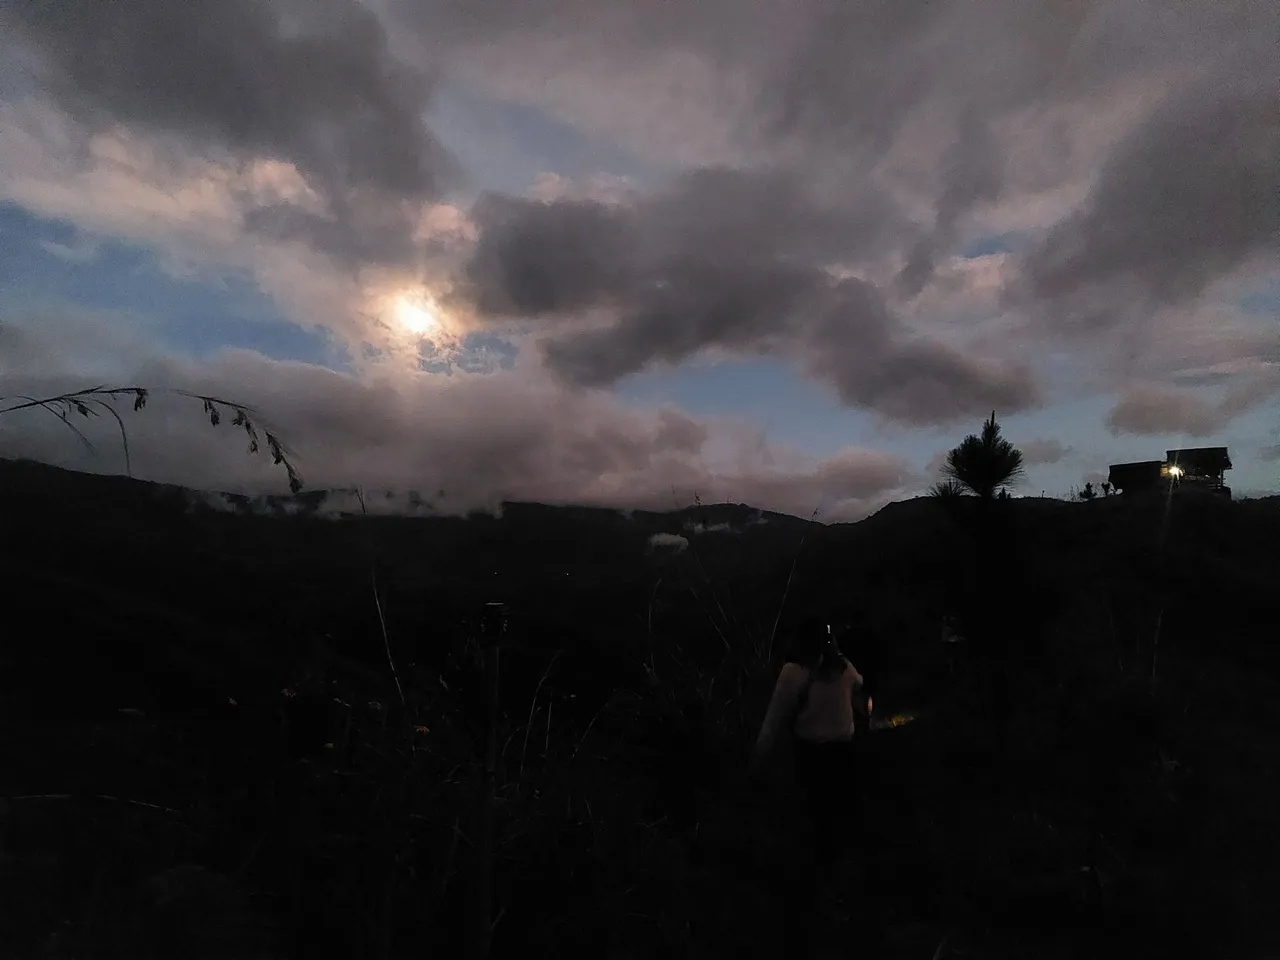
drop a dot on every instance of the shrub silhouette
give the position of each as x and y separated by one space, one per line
984 462
947 490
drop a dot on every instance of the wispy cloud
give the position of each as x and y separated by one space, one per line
81 250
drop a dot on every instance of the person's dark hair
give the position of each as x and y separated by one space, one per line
811 644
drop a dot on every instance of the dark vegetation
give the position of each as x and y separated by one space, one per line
206 752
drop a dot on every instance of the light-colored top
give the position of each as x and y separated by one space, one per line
826 715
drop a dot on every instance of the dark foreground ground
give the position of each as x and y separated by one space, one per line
203 752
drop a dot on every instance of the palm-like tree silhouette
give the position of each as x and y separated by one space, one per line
983 463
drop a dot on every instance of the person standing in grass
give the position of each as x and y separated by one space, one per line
813 706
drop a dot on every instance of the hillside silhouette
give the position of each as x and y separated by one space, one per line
206 752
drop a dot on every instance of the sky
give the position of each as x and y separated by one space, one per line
781 252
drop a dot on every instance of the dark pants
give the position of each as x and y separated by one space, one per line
828 823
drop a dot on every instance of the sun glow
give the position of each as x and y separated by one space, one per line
417 315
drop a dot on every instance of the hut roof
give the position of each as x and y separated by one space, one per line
1208 459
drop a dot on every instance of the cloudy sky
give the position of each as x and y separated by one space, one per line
775 251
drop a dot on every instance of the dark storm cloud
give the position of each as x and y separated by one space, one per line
319 90
866 76
1151 408
547 258
844 84
724 259
971 174
924 382
859 346
861 71
1188 196
561 256
1185 198
690 305
1162 410
308 83
1043 451
864 136
739 260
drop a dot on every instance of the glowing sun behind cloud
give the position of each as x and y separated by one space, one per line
416 315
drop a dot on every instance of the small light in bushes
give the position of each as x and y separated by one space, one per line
419 728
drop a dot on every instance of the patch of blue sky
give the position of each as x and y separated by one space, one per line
985 246
1263 302
791 409
48 262
479 353
506 146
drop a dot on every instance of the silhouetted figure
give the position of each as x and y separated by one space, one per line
813 706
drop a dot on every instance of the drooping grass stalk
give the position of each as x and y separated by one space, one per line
93 796
382 619
693 550
586 733
532 706
94 401
786 590
697 557
707 610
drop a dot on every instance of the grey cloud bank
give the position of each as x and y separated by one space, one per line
727 259
466 442
821 164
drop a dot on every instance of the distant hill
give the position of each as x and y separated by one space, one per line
110 555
